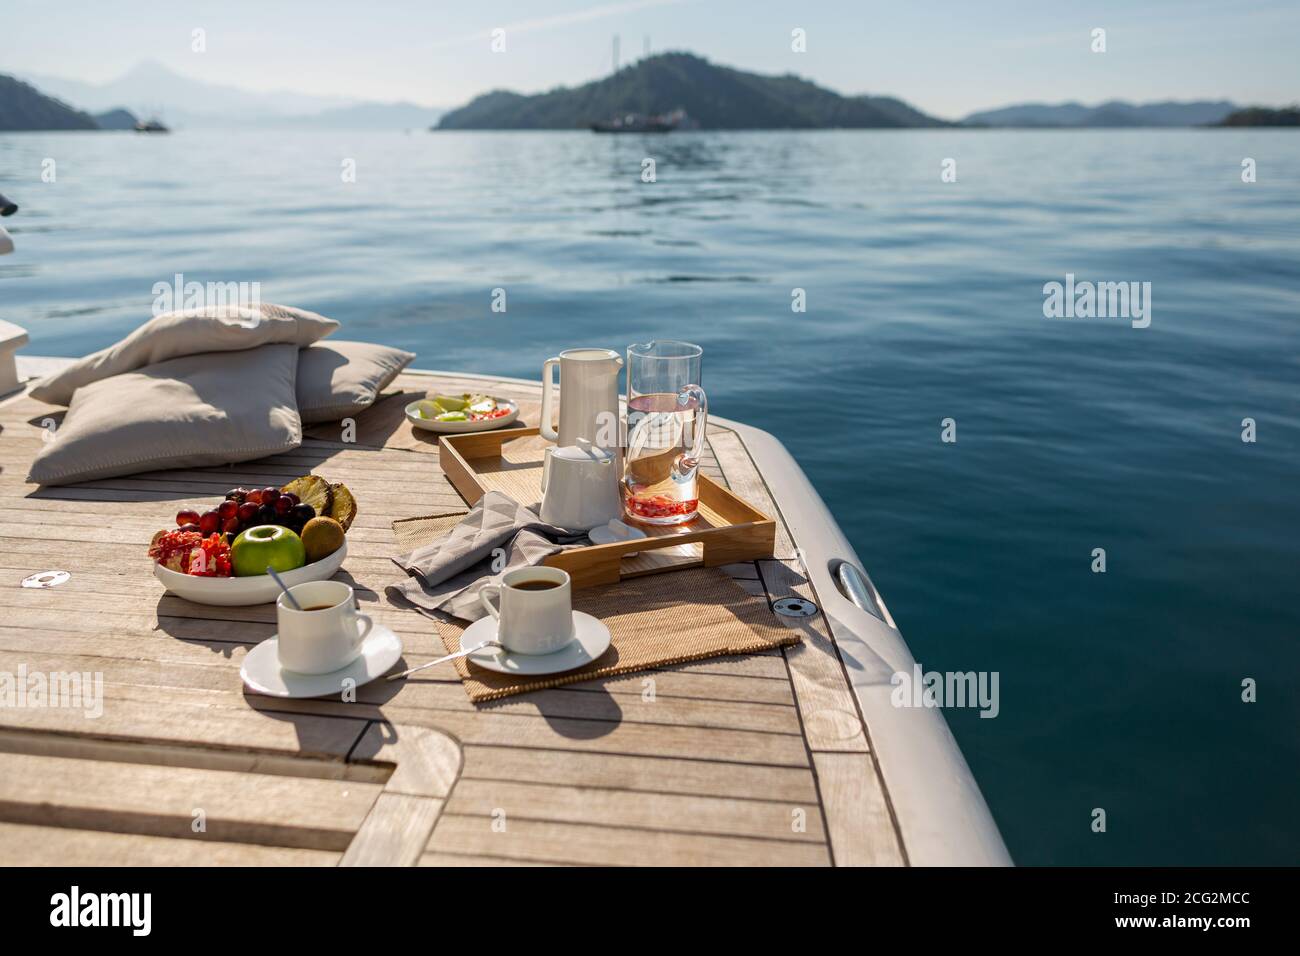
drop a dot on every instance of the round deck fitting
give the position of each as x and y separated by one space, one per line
46 579
794 607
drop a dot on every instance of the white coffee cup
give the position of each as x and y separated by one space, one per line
532 620
327 634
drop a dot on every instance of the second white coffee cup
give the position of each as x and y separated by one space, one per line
536 613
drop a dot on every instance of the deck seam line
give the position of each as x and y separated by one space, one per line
643 756
642 829
548 861
658 793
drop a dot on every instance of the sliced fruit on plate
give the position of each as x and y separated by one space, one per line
449 403
343 507
312 490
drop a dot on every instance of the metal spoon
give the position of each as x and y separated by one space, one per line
284 587
463 652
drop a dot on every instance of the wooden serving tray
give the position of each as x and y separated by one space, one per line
726 529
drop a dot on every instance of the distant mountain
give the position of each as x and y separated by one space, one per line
1115 113
360 116
151 88
1262 116
715 97
116 119
23 107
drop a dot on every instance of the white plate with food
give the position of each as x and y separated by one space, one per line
454 414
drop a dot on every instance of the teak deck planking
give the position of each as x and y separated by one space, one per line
756 760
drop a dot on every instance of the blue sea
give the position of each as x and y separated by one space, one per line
924 301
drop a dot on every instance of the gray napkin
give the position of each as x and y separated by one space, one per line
447 575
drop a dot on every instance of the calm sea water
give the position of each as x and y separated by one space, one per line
924 301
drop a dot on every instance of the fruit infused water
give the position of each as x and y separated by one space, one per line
659 473
666 416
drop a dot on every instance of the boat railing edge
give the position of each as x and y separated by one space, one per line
942 815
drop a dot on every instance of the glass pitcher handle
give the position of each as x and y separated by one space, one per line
684 398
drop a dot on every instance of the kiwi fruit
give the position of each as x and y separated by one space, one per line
321 537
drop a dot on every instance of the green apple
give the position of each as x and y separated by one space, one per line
266 545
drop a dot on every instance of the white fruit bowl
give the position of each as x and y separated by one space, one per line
238 592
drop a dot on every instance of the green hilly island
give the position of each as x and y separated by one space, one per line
23 107
1263 116
714 97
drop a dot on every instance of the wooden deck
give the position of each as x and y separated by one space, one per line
751 761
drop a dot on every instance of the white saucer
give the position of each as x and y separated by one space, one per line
590 640
263 674
616 532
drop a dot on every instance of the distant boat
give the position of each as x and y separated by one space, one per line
151 126
640 123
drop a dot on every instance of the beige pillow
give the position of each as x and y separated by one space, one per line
187 332
193 411
339 379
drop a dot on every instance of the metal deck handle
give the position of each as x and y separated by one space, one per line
858 589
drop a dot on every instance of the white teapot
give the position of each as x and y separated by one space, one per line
580 487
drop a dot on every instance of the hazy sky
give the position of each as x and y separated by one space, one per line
948 58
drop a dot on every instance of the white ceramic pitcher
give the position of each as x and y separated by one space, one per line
588 398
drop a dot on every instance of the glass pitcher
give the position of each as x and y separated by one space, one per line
666 416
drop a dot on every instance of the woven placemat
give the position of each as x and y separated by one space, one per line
654 621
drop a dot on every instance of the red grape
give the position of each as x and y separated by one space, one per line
188 527
254 497
269 495
247 511
228 509
304 513
187 516
209 522
230 526
283 505
293 499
